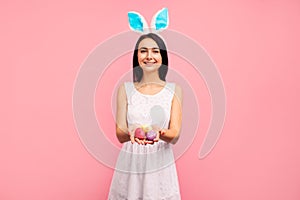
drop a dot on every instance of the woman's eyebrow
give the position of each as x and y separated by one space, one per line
149 48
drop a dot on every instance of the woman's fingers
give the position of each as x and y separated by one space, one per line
157 137
149 142
138 140
162 131
143 141
132 139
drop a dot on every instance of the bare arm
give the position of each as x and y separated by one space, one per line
122 128
121 122
172 134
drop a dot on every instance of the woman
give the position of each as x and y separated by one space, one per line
146 168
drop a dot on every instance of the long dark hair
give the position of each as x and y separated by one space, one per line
163 69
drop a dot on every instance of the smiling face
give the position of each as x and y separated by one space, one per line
149 57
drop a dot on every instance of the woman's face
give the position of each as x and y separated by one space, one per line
149 56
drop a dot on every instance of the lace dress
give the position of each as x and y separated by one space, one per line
146 172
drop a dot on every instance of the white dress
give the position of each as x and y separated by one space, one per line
146 172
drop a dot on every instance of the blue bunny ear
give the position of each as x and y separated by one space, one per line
137 22
160 20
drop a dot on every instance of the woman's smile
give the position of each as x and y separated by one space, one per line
149 63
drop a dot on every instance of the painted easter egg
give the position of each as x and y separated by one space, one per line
151 135
139 133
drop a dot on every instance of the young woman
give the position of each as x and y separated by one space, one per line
146 168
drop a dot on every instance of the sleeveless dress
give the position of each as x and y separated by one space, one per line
146 172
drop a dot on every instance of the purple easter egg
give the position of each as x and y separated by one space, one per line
151 135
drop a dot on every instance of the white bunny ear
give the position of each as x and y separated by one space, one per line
137 22
160 20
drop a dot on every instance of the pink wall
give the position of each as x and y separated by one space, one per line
255 45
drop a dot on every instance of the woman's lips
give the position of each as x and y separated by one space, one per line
149 63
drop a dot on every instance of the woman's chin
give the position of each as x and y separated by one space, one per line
150 67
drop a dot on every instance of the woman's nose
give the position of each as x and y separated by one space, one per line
149 55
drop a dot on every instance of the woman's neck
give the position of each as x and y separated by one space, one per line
151 78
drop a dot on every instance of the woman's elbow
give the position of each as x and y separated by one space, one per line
175 139
175 136
122 137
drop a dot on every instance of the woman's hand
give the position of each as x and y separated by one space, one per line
158 131
133 139
131 132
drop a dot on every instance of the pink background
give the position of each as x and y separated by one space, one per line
255 45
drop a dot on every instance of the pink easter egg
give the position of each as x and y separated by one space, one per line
139 133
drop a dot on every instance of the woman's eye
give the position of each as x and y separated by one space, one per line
155 51
143 51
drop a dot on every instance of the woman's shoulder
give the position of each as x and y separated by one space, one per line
125 85
126 88
177 89
176 86
121 89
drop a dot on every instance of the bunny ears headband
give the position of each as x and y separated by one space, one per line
159 22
